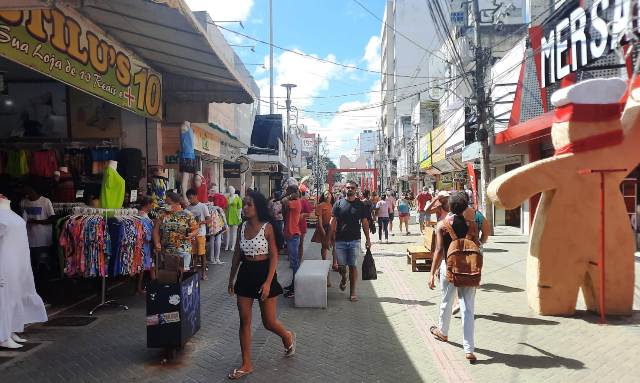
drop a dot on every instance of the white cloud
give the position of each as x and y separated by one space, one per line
221 10
372 54
310 76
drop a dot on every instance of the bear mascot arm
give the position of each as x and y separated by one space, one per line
510 190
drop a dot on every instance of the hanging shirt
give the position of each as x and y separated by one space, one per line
39 235
17 164
112 190
202 191
186 143
220 200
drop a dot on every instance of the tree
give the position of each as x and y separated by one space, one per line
329 164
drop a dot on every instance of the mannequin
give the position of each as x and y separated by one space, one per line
64 190
200 184
113 185
158 186
19 302
234 205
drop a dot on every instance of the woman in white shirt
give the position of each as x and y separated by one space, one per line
383 209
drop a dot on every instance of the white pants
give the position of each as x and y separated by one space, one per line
231 237
215 243
467 296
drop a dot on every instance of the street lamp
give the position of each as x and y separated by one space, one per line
288 103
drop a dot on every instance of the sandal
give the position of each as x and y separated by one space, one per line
353 298
289 351
435 331
237 374
343 285
470 357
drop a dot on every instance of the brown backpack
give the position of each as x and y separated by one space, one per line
464 259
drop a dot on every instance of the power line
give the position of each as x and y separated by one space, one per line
316 58
398 32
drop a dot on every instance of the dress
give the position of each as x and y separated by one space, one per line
112 190
234 205
323 210
19 302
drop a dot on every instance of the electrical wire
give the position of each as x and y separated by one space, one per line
399 33
354 67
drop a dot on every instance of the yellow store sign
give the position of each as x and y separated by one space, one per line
206 141
62 44
438 140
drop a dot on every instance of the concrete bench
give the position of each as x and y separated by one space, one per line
311 284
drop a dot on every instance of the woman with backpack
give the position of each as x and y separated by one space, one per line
457 247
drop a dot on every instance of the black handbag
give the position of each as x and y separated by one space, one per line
369 271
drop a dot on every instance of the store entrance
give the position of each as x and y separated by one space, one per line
513 217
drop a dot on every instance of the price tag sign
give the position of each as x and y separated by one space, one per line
79 193
134 196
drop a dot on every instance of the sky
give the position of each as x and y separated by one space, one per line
335 30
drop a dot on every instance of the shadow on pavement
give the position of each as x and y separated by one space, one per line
491 287
504 318
522 361
489 250
612 320
405 301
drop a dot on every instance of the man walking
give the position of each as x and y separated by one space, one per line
349 214
391 201
423 198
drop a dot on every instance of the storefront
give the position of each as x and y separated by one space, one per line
82 117
527 76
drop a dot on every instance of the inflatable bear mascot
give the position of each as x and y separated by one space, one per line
588 133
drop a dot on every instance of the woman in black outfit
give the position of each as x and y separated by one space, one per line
256 257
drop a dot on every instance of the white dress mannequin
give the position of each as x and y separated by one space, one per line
19 302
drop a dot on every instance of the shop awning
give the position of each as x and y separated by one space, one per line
196 62
529 130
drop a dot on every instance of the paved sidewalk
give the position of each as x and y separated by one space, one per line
382 338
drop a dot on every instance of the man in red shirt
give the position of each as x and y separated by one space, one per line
423 198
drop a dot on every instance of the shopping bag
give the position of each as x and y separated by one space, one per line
369 267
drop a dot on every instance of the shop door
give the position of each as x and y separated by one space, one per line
513 217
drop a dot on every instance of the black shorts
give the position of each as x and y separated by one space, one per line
391 216
251 277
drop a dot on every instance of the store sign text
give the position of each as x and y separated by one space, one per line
62 44
585 36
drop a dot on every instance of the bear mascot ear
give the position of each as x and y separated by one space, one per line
564 253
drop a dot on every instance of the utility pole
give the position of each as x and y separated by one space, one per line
287 147
270 56
482 134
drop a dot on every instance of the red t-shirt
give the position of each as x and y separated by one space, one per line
306 208
423 198
292 220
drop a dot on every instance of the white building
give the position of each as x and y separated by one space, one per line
407 45
367 146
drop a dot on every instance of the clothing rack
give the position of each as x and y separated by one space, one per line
117 213
65 207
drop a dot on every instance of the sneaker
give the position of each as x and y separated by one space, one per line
220 262
289 294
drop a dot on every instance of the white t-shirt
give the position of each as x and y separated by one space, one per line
201 212
39 235
391 201
383 209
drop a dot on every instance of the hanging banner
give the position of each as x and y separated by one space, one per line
438 141
205 141
62 44
231 169
472 180
425 151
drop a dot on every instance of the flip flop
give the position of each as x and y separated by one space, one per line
435 331
343 286
291 350
237 374
471 358
353 298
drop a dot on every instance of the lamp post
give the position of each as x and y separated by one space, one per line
288 87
